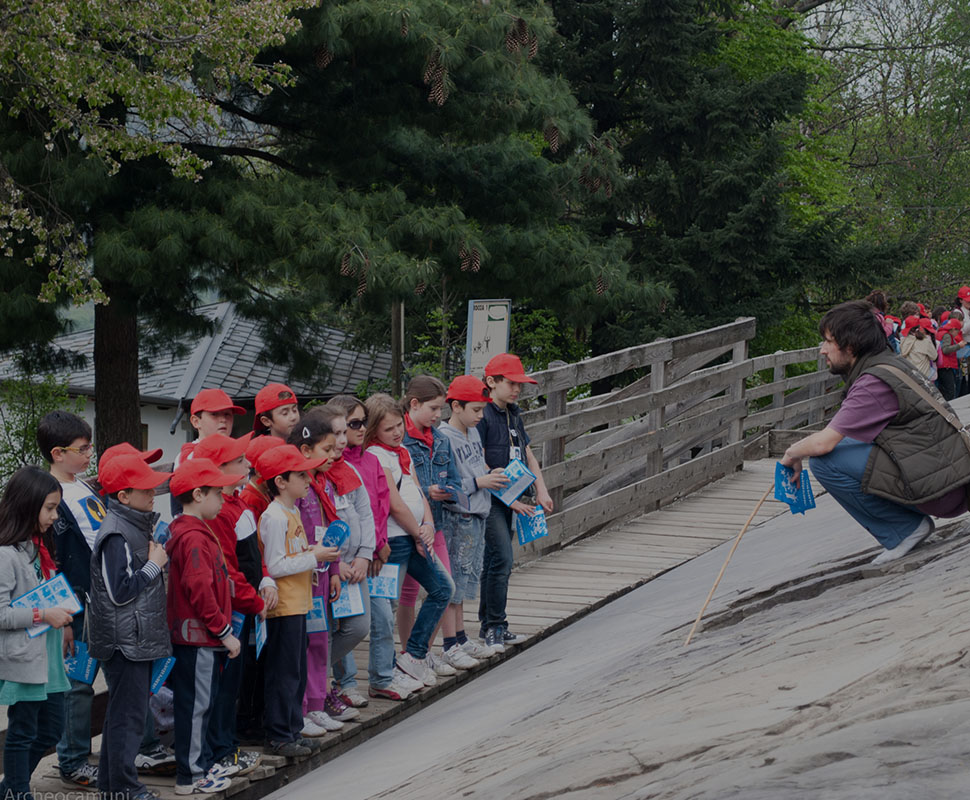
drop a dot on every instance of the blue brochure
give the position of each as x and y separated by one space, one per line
799 498
53 593
531 528
520 479
316 617
238 618
350 603
336 534
81 667
260 635
161 667
385 583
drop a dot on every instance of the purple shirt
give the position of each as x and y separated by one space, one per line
866 411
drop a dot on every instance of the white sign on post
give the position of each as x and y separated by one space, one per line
488 333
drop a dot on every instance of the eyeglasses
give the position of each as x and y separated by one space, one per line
356 424
83 450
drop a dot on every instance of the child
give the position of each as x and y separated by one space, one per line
32 679
439 479
199 619
465 526
276 410
126 626
410 532
503 438
233 523
383 680
339 488
950 337
918 348
65 443
292 562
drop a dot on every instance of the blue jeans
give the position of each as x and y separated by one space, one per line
841 473
380 667
434 578
496 566
32 729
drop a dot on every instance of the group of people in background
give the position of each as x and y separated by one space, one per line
247 553
936 342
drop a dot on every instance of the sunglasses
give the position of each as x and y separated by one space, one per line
84 450
357 424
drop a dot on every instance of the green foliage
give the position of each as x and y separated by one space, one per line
24 399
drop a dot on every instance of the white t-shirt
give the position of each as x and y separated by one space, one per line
86 506
409 489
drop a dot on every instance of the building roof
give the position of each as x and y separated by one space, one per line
228 359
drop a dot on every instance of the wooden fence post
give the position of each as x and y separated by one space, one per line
778 398
655 419
739 354
554 450
816 390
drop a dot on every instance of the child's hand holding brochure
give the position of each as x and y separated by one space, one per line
520 479
54 593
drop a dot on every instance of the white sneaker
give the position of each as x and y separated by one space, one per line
322 720
440 668
923 530
417 668
458 658
311 730
407 681
476 650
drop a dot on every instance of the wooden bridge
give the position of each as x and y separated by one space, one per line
644 477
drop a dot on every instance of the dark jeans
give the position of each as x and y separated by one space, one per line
222 724
249 721
195 686
496 566
284 665
33 728
129 683
948 380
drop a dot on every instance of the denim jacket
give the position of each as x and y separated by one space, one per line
435 467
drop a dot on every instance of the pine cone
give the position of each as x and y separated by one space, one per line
434 63
533 46
551 134
476 260
345 265
464 257
600 284
511 42
322 56
521 31
419 289
362 279
404 22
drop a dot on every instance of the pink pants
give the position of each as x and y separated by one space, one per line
317 657
409 591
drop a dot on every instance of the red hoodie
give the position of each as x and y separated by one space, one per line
199 601
244 598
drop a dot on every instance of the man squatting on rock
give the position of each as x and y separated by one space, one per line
888 456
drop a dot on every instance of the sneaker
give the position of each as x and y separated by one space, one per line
476 650
924 529
458 658
395 690
337 709
494 640
146 794
223 769
84 775
204 785
439 666
313 745
288 749
417 668
323 720
311 730
350 697
159 761
407 681
508 637
246 760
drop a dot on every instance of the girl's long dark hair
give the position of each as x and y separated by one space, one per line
21 505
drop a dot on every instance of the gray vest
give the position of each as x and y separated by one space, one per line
139 629
919 456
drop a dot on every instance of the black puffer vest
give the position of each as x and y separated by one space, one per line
919 456
139 629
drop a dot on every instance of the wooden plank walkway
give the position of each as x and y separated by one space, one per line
544 596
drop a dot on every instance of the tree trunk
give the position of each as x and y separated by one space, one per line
117 413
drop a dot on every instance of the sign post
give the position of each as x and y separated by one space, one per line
488 333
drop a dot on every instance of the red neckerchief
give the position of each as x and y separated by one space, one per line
47 565
319 485
403 456
343 477
426 436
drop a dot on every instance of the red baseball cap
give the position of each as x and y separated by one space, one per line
221 449
964 293
271 396
506 365
259 445
126 449
926 323
285 458
469 389
197 473
911 322
214 400
128 472
922 310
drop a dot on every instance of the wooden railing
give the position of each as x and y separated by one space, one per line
680 425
